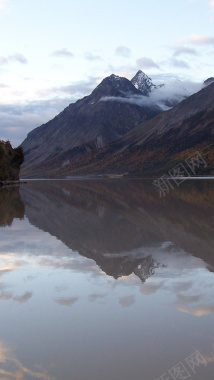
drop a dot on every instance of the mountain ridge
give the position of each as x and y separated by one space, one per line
133 139
90 121
154 146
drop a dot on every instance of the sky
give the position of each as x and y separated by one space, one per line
54 52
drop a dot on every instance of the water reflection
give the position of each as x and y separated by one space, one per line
121 225
12 368
104 279
11 206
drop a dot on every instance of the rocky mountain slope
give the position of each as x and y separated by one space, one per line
153 147
91 123
143 83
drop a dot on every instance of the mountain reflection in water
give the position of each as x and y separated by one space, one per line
118 224
105 279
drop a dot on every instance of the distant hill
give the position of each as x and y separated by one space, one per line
10 162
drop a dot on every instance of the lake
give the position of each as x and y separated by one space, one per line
105 279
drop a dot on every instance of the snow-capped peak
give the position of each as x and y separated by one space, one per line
143 83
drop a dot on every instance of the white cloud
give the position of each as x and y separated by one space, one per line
184 50
123 51
63 53
92 57
3 5
18 58
173 90
179 63
146 63
3 61
197 40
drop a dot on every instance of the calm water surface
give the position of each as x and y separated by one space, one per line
106 280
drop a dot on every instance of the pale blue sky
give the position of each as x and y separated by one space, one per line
53 52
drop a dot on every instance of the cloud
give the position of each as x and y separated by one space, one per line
179 63
76 89
66 301
13 58
175 90
197 40
16 120
3 61
3 5
123 51
18 58
63 53
184 50
127 301
92 57
146 63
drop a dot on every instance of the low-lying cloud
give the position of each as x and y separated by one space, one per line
174 90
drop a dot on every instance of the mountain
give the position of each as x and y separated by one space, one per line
143 83
208 81
89 124
10 162
152 148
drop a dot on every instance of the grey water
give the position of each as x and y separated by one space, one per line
105 279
